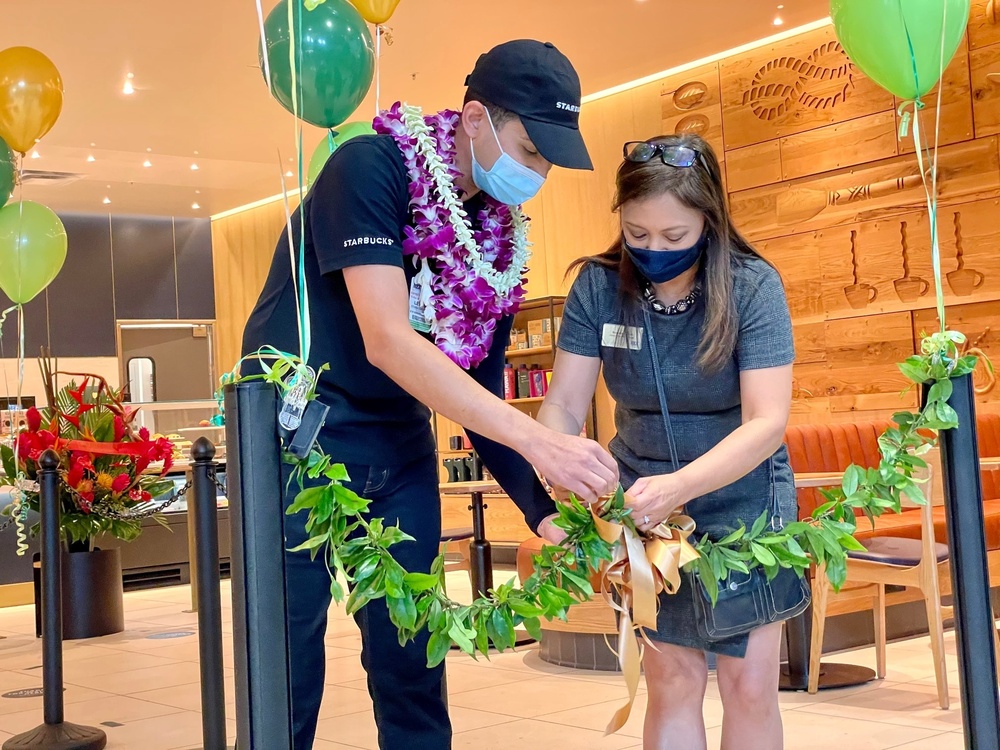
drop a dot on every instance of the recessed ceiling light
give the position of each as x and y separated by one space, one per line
781 7
93 145
147 163
149 150
128 89
289 173
195 206
91 158
106 201
194 167
195 153
197 192
36 155
778 21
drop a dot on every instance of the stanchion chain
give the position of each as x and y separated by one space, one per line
149 509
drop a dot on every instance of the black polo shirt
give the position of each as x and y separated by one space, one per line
355 214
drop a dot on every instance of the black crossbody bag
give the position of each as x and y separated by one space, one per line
746 601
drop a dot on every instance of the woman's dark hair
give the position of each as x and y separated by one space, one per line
698 187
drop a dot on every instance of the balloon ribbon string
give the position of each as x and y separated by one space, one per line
378 67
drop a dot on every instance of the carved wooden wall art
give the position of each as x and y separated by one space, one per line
908 288
963 281
820 81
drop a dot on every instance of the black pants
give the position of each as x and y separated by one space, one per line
410 701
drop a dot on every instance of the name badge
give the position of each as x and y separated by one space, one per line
620 337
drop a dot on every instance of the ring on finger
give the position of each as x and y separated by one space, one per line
645 520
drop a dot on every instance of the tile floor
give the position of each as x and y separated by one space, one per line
146 689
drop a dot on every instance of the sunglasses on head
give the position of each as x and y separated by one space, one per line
673 155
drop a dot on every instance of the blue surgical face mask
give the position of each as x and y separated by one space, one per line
663 265
509 181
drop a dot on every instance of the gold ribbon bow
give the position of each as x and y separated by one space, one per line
642 569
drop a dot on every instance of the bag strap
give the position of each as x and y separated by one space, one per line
660 392
776 522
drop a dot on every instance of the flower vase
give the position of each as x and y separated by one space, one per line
92 592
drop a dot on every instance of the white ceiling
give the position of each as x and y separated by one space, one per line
201 99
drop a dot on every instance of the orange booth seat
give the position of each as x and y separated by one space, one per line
822 448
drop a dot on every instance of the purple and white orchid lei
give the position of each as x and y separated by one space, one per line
468 278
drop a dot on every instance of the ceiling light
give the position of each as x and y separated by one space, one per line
91 158
194 167
195 153
197 192
128 89
781 7
289 173
147 163
149 150
93 145
778 21
195 206
106 201
36 155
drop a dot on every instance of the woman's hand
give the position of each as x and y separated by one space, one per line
551 533
654 499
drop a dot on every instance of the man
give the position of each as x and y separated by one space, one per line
520 117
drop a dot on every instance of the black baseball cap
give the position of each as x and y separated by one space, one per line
536 82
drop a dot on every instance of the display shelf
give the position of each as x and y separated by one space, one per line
538 351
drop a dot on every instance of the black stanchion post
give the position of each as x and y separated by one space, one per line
206 534
974 625
54 734
260 609
480 549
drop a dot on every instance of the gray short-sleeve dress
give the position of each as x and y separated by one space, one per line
704 408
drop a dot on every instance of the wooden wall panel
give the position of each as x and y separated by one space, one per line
793 86
970 251
753 166
884 188
860 371
956 109
242 248
984 23
797 259
845 144
985 66
810 343
692 103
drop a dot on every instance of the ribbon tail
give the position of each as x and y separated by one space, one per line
630 660
643 586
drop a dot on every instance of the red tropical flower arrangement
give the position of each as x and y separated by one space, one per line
107 466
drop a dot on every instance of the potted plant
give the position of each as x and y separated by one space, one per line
108 470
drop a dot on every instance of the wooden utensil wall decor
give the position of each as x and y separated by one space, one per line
821 183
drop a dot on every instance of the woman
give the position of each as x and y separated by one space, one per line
721 328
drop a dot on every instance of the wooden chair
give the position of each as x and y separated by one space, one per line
891 561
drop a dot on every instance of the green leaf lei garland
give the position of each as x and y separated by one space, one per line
357 549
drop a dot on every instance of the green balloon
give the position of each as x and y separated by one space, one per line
7 172
337 60
323 151
32 249
897 43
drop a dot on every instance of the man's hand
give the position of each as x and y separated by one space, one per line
573 463
551 533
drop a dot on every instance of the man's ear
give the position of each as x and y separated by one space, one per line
473 118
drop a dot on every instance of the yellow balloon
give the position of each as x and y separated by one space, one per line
376 11
31 96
